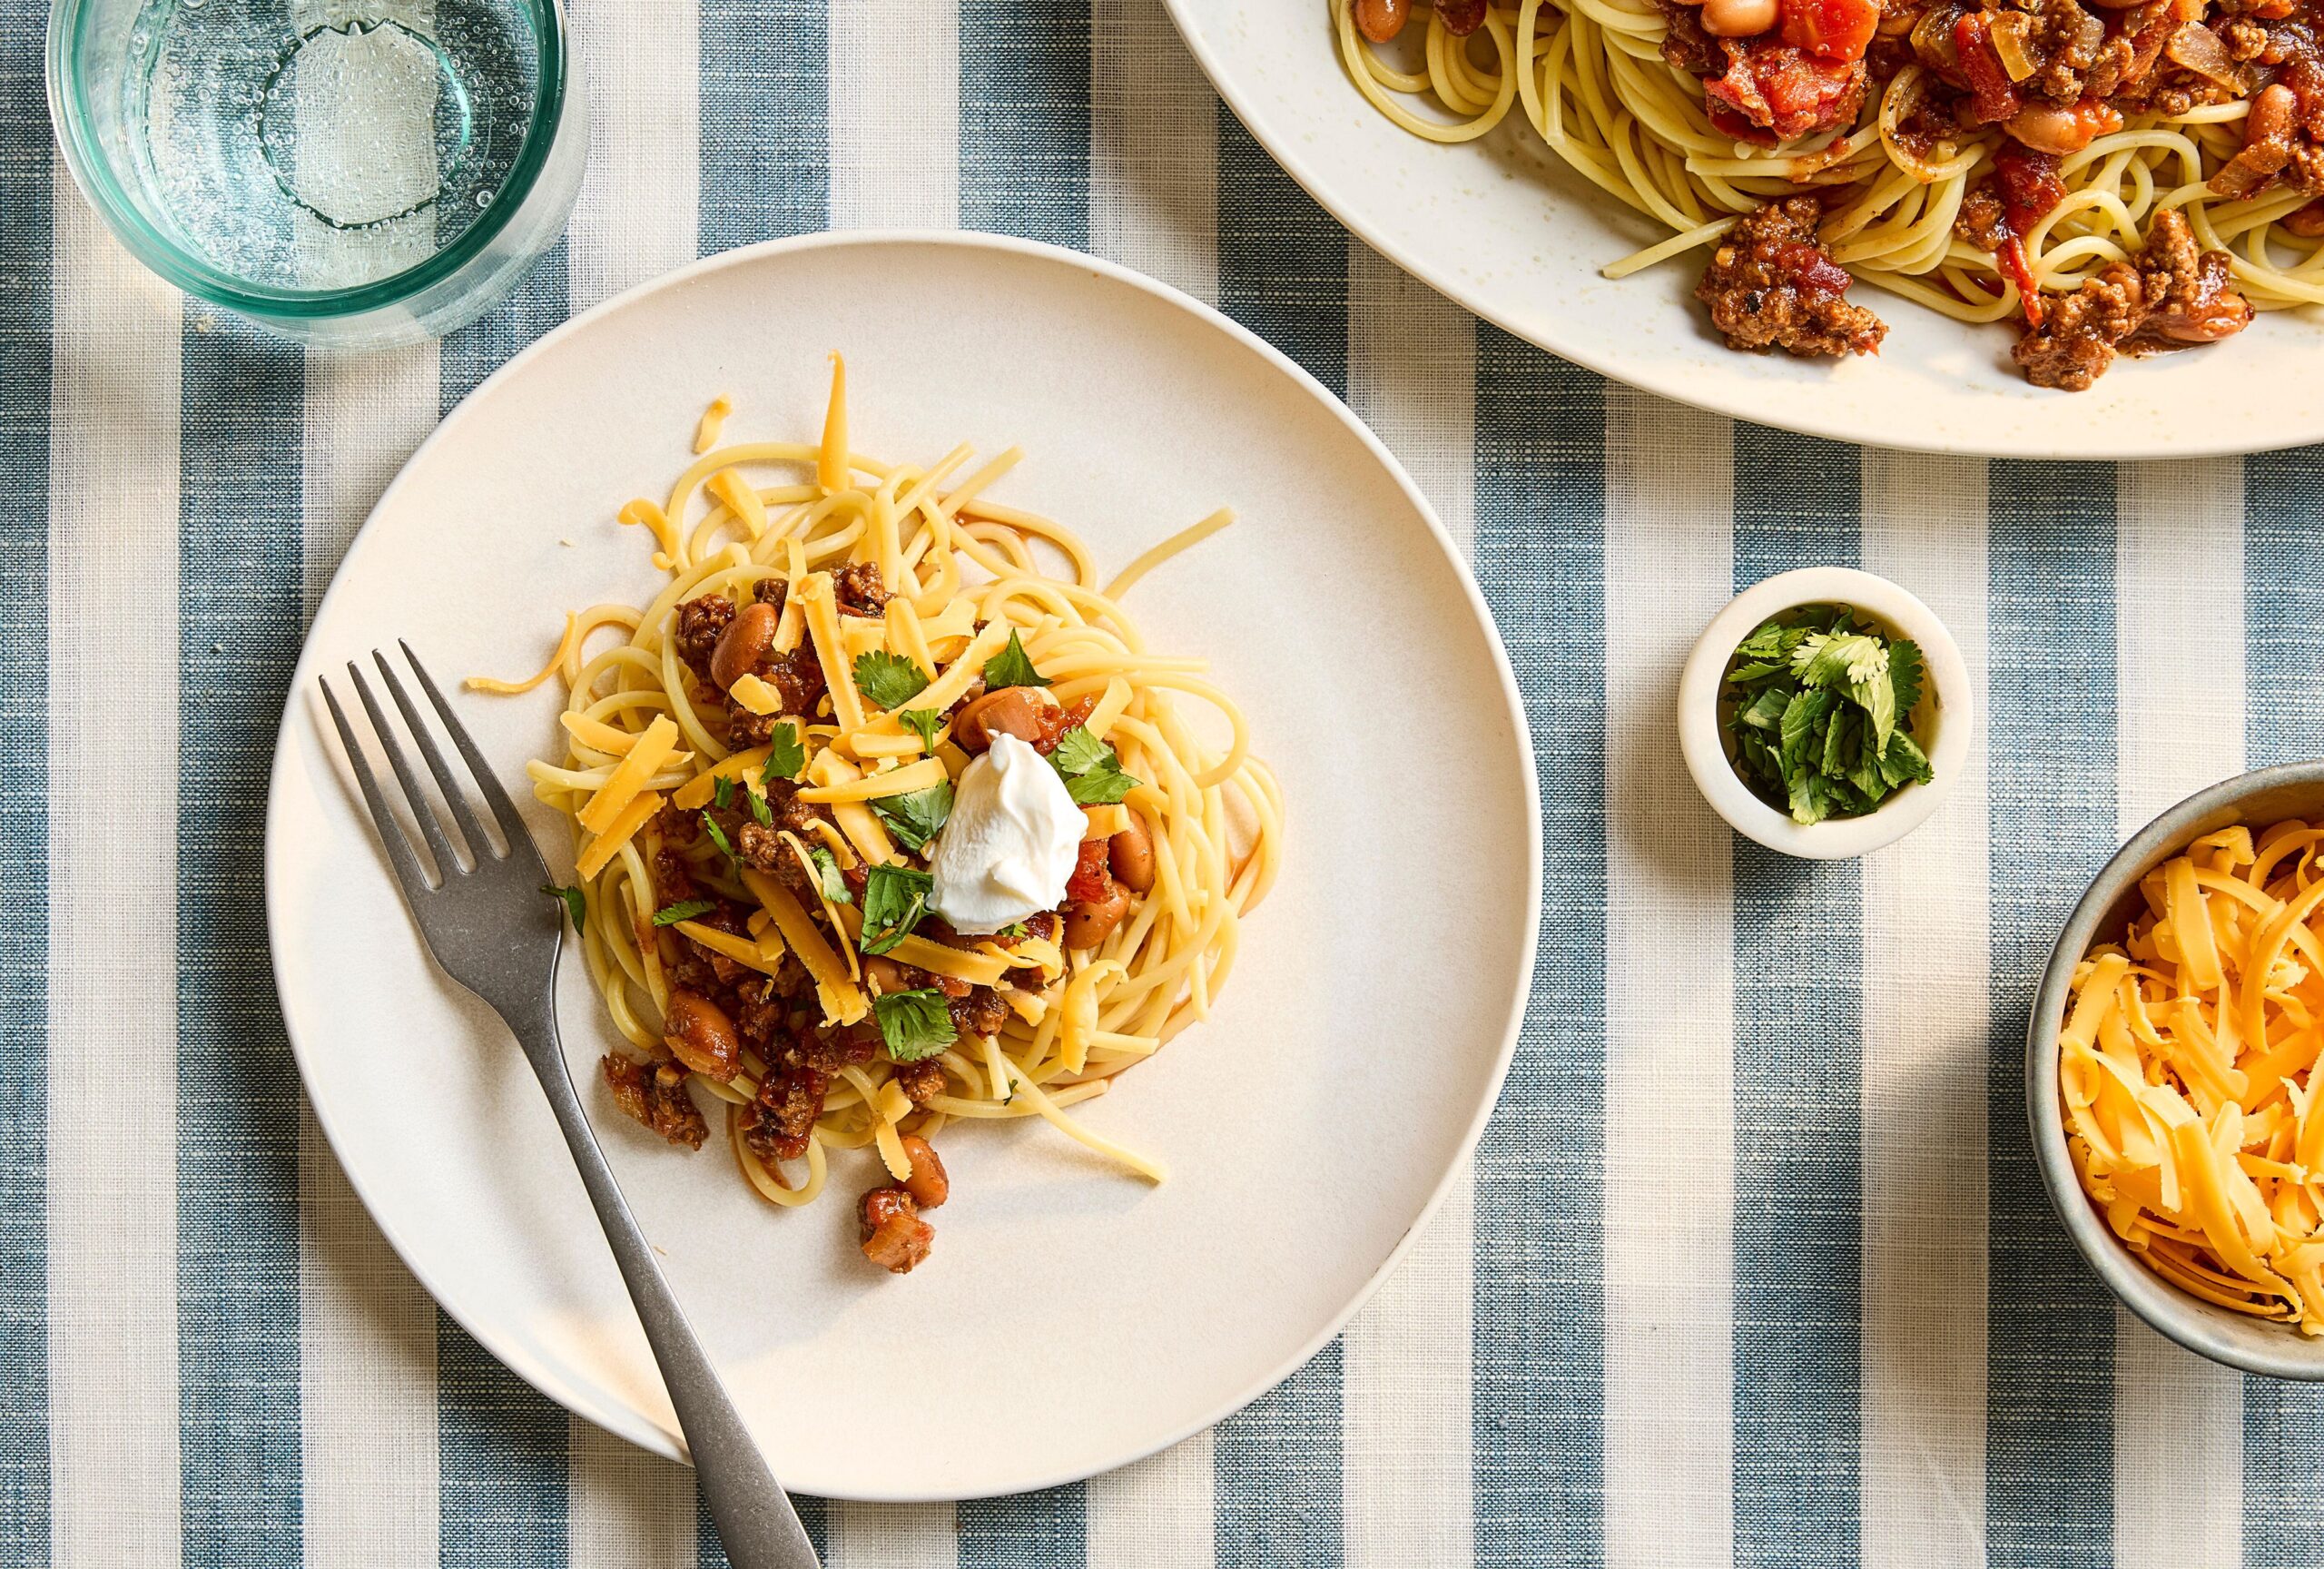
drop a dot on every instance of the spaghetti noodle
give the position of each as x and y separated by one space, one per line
1972 160
759 762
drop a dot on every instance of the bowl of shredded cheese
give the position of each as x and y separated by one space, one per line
2173 1081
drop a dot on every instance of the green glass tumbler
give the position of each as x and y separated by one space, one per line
345 173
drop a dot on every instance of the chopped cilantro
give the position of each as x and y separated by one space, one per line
759 808
1010 667
722 792
784 755
889 680
924 722
917 816
687 910
915 1025
894 899
718 837
1092 774
827 873
1813 708
577 902
1014 929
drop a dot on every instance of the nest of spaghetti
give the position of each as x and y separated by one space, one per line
759 765
2118 177
2188 1073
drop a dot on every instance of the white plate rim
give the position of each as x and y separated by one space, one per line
626 1422
1284 146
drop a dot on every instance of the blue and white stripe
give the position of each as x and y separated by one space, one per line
2052 771
1539 1341
2283 709
1798 958
240 615
1926 1037
27 369
1751 1267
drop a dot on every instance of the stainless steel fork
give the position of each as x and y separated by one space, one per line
492 927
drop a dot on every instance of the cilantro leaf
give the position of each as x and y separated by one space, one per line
784 755
894 899
1764 712
1877 699
1078 752
1092 773
1816 706
1840 659
723 793
760 809
888 680
916 1025
718 837
917 816
827 873
1905 668
577 902
1905 763
1010 667
685 910
924 722
1803 726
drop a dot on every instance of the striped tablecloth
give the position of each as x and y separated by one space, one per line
1753 1268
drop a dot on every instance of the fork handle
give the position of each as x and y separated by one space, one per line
753 1515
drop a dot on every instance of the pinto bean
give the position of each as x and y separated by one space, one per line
1011 711
744 644
1738 18
2271 116
928 1185
700 1035
1381 20
1129 855
2046 128
894 1236
885 976
1092 921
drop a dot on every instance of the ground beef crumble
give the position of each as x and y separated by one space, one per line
655 1094
2174 296
1771 285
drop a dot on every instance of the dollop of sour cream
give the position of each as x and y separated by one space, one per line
1010 846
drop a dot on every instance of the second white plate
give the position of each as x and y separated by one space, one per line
1070 1320
1504 229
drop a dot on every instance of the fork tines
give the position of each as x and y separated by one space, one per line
481 850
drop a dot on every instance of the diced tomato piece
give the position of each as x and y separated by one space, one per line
1830 29
1090 882
1811 270
1994 97
2028 185
2012 257
1782 91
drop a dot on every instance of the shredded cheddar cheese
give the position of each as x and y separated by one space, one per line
515 688
2188 1074
652 750
713 420
618 833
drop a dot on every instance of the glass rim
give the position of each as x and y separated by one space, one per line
93 172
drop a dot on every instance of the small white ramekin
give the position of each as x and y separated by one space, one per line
1943 722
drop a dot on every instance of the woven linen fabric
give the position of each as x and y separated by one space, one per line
1753 1268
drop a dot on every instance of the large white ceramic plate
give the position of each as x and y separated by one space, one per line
1503 228
1070 1320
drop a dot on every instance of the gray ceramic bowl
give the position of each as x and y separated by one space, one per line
2256 1345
